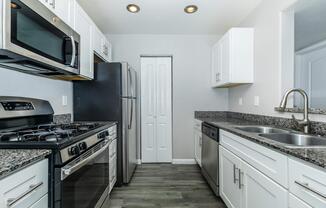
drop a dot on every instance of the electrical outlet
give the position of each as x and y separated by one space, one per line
256 101
64 100
240 101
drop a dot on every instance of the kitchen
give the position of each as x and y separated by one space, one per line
189 92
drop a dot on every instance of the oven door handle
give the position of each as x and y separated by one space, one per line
69 169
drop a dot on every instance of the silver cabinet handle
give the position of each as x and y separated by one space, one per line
234 174
306 186
240 180
73 57
13 201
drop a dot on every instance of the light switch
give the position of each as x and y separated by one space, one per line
64 100
256 101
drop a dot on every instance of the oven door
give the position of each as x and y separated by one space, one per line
31 30
85 181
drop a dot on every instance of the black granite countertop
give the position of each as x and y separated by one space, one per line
316 156
12 160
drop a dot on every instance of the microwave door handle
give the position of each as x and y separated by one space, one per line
73 55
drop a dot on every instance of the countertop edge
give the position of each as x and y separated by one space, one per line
299 153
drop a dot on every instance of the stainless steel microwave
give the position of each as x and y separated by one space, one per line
35 41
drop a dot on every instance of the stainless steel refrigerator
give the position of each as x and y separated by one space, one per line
111 96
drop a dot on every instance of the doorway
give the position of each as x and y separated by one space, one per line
156 109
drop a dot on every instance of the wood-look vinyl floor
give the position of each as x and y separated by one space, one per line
165 185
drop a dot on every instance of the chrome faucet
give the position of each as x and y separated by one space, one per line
300 123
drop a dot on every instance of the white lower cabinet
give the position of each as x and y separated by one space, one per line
229 180
307 183
295 202
42 203
243 186
198 141
259 190
26 188
252 176
113 163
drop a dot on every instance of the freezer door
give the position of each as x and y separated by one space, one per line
128 81
129 139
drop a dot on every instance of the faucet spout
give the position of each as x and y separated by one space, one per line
305 122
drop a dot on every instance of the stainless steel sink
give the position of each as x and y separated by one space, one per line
299 140
261 129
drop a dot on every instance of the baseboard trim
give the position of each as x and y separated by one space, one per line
184 161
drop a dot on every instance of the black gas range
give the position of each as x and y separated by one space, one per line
79 163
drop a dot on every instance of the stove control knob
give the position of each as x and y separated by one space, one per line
82 146
74 150
103 135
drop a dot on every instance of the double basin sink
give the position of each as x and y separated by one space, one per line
289 138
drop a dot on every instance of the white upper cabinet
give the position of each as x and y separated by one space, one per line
101 45
64 9
233 58
92 39
84 26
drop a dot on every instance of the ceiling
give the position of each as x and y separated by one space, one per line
310 23
167 16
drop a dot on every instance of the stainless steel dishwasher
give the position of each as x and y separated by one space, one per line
210 156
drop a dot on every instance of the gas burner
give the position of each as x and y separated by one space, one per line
49 132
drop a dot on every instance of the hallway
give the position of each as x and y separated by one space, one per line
165 185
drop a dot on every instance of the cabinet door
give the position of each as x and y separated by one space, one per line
97 41
229 179
198 141
224 59
62 8
215 65
260 191
84 26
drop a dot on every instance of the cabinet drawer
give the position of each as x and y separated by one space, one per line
113 148
269 162
42 203
307 183
25 187
294 202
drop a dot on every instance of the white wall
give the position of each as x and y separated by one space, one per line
266 21
14 83
191 75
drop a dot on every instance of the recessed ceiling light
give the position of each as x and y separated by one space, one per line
191 9
133 8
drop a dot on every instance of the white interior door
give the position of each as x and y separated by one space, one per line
156 109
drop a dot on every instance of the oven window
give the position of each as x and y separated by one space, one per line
85 187
32 32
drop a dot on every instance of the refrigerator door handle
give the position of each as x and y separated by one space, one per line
131 113
131 83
